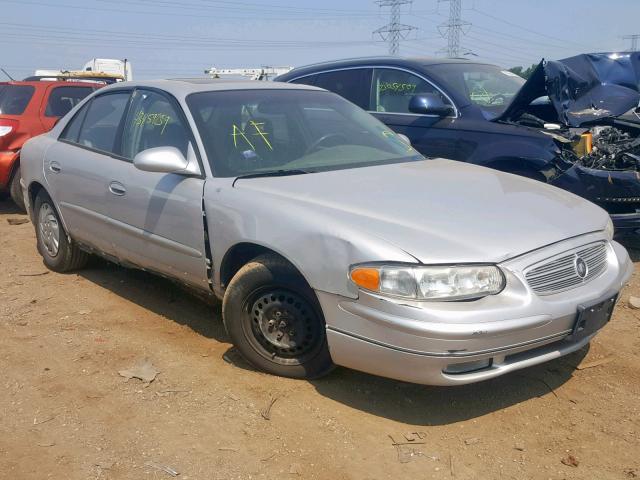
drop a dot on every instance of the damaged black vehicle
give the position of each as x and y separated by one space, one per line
575 123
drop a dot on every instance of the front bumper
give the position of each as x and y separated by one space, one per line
420 342
626 225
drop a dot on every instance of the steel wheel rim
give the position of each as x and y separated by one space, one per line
49 229
282 326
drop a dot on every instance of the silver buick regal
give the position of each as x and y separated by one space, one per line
328 238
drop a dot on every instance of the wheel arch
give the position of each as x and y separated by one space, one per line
238 255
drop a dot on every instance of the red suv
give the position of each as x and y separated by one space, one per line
27 109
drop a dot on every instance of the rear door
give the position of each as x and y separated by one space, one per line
157 217
79 165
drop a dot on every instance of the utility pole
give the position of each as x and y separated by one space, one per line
451 30
634 41
394 31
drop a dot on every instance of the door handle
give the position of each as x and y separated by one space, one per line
117 188
55 167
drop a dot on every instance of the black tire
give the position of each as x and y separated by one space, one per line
15 190
67 256
269 289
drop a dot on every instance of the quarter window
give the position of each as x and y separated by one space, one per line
100 127
353 84
153 121
63 99
393 89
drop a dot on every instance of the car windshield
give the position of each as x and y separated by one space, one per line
488 86
253 131
15 98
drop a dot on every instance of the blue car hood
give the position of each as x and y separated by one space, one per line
583 89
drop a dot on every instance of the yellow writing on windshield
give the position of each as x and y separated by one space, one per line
239 133
396 87
258 131
154 119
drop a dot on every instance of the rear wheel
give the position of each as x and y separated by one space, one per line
58 252
15 190
275 320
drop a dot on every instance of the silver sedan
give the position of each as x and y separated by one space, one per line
329 239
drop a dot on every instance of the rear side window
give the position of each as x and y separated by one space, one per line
63 99
153 121
308 80
15 98
354 84
100 126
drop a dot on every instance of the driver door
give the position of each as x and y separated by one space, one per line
391 92
158 216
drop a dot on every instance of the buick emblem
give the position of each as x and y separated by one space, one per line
581 267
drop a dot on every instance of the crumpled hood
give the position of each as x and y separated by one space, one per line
582 89
438 211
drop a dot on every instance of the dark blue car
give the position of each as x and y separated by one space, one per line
573 124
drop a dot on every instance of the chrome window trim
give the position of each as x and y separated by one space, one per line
379 67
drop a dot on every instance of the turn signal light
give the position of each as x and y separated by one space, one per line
367 278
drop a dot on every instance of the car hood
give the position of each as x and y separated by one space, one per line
438 211
582 89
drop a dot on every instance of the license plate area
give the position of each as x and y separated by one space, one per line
592 318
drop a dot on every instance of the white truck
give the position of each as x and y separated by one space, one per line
96 68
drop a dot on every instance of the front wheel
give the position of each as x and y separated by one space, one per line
275 320
58 252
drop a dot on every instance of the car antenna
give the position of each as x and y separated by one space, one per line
5 72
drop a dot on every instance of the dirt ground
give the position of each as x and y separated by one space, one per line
66 413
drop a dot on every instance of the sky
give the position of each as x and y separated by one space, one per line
178 38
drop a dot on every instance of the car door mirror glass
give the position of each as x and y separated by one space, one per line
404 138
428 104
161 160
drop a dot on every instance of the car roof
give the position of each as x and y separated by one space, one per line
410 62
181 87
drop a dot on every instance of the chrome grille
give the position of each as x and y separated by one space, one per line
558 273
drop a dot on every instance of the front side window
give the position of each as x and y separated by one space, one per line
353 84
15 98
255 131
101 122
153 121
487 86
63 99
393 89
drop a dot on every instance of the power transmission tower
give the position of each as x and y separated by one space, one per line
634 41
451 30
394 31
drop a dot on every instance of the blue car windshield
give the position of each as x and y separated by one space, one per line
247 132
487 86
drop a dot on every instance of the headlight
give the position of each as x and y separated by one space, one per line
609 230
436 282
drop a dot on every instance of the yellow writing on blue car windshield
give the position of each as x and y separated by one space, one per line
396 87
258 131
154 119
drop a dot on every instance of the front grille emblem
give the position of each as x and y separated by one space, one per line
581 267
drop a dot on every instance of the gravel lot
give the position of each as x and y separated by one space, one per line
66 412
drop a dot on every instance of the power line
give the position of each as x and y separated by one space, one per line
452 29
394 31
634 41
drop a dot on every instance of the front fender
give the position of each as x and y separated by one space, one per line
318 246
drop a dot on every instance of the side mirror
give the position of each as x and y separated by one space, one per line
161 160
404 138
429 104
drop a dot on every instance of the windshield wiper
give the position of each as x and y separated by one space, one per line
271 173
